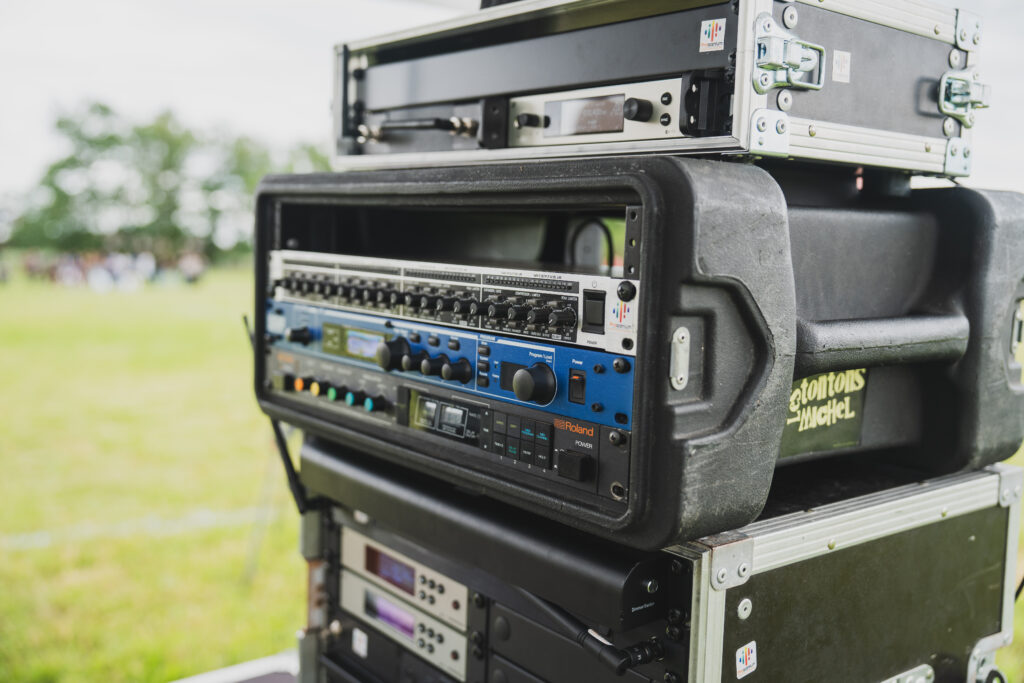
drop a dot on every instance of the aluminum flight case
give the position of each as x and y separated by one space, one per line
883 84
885 578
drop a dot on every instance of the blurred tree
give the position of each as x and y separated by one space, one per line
156 187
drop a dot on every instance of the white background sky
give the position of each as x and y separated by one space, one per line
263 68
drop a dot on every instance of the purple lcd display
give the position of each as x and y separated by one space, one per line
391 570
389 613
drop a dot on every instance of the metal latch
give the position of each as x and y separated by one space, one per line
960 94
784 61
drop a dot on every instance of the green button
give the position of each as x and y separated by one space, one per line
332 394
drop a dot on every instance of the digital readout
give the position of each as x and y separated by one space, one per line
362 344
389 613
585 116
391 570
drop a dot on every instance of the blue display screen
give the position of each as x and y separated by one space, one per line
391 570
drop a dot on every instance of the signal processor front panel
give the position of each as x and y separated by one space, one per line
629 346
891 84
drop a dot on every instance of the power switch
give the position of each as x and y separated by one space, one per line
593 311
577 386
573 465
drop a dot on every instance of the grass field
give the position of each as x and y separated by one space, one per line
145 528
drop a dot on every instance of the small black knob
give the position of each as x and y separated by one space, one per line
463 306
394 298
478 307
635 109
412 301
461 370
300 335
626 290
444 303
563 317
432 366
390 353
535 383
538 316
383 296
497 310
369 295
427 302
532 121
518 312
412 361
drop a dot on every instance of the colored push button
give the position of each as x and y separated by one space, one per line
543 434
315 388
301 383
528 430
542 456
374 403
354 397
332 394
512 448
500 423
498 444
526 452
512 426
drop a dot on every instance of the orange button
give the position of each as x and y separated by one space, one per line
299 384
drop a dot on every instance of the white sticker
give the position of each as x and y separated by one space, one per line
746 659
360 643
841 66
712 35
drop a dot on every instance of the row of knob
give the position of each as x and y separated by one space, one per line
535 383
330 392
537 313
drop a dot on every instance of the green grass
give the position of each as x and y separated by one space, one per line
120 412
129 408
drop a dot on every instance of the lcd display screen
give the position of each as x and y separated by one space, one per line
585 116
391 570
387 612
362 344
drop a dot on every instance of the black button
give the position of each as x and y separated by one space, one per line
483 366
542 456
485 442
528 430
526 450
414 337
593 311
573 465
433 340
483 381
512 427
512 448
577 386
500 422
453 344
543 434
486 416
484 350
498 444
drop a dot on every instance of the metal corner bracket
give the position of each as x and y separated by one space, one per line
732 559
958 157
968 30
769 133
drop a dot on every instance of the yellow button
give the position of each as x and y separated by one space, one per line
314 388
299 384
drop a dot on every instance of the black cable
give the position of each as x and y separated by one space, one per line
297 489
618 660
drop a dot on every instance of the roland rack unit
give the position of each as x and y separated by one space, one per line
411 582
630 346
886 84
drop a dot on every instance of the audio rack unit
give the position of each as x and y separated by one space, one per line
890 85
631 345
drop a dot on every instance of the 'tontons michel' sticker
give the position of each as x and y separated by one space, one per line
712 35
825 412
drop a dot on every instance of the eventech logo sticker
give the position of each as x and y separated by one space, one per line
712 35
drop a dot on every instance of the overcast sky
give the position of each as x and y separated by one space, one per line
263 67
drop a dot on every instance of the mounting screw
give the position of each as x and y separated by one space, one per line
831 544
949 127
616 438
676 567
675 615
762 124
768 25
671 677
744 609
955 58
723 574
336 628
651 586
811 130
967 152
976 39
674 632
478 600
971 118
780 127
790 17
765 80
785 100
937 29
963 35
743 570
954 151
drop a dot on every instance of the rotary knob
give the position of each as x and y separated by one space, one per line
300 335
427 302
535 383
538 316
563 317
411 361
478 307
518 313
635 109
390 353
497 310
411 301
464 306
461 370
395 298
432 366
444 303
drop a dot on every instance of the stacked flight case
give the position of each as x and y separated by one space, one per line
755 437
